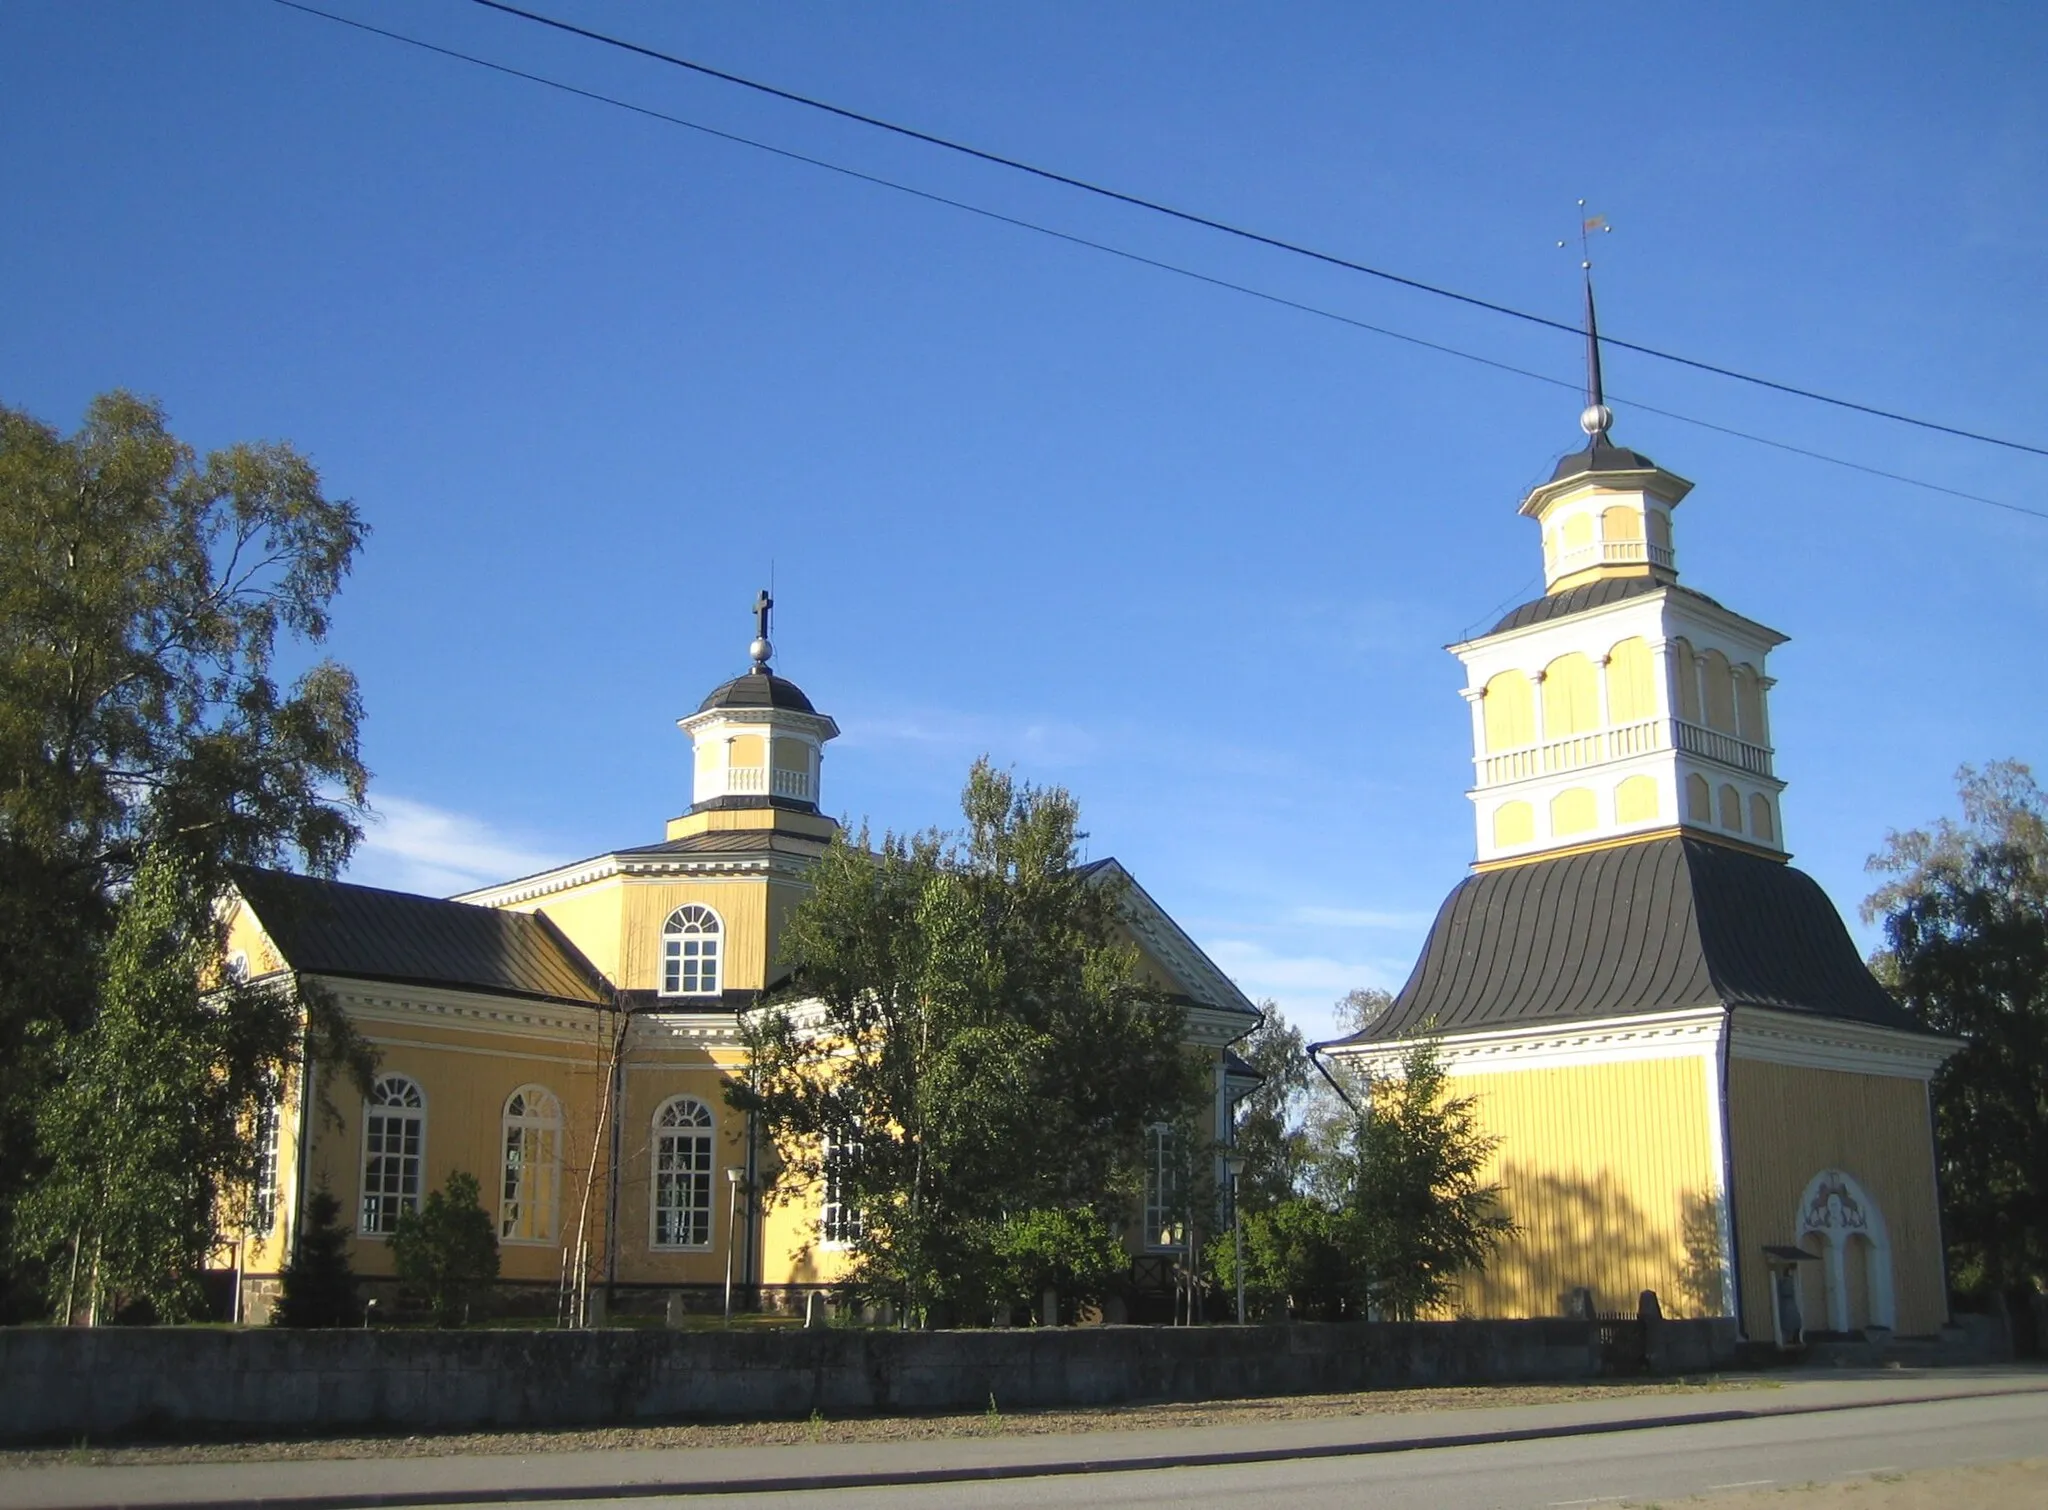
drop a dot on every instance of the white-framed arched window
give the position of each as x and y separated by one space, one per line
530 1194
690 946
394 1151
680 1211
839 1222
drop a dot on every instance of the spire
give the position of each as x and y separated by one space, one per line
761 649
1597 419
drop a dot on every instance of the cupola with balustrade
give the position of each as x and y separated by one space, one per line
756 741
1620 704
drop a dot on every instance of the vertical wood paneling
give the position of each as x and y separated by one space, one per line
1607 1170
1788 1123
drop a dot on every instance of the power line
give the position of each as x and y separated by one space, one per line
1226 228
1129 256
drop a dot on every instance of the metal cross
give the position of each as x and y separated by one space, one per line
761 606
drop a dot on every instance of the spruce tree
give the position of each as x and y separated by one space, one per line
319 1286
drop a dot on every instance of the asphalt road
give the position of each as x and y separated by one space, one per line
1637 1466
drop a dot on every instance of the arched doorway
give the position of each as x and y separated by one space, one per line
1838 1215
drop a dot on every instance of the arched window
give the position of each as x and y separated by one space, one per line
1720 690
1510 712
1635 800
1660 529
1685 672
394 1144
689 952
530 1196
1749 703
1761 824
1731 809
681 1215
1571 697
839 1215
1621 523
1699 799
1631 689
1573 811
1165 1189
1513 823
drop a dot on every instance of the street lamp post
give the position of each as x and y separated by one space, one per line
1234 1165
733 1177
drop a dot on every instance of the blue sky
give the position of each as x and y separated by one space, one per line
591 378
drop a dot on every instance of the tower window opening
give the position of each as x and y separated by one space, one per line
1571 697
1731 809
1699 799
1761 823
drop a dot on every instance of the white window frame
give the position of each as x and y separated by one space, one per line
693 923
263 1199
384 1108
530 1168
839 1222
667 1143
1165 1203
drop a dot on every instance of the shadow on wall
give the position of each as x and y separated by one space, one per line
1589 1245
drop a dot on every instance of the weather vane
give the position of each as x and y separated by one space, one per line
1598 419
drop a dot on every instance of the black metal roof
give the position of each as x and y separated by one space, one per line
1602 456
1654 926
1596 594
758 689
334 928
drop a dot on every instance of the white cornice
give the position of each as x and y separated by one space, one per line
1660 1035
584 873
1830 1043
473 1011
684 1030
526 888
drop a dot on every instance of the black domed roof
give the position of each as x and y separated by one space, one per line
758 689
1602 456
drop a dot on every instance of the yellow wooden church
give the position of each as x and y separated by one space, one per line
1697 1086
566 1037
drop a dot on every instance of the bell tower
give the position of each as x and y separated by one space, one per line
1619 704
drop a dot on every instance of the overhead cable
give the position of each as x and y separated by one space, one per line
1226 228
1129 256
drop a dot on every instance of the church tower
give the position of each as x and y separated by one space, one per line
1664 1025
757 751
1619 704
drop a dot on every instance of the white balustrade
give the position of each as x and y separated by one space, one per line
1610 553
757 781
1575 751
1712 744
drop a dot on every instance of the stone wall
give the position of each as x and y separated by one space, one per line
63 1384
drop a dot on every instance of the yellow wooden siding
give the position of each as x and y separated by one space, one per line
589 916
1608 1171
1787 1124
465 1086
742 908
